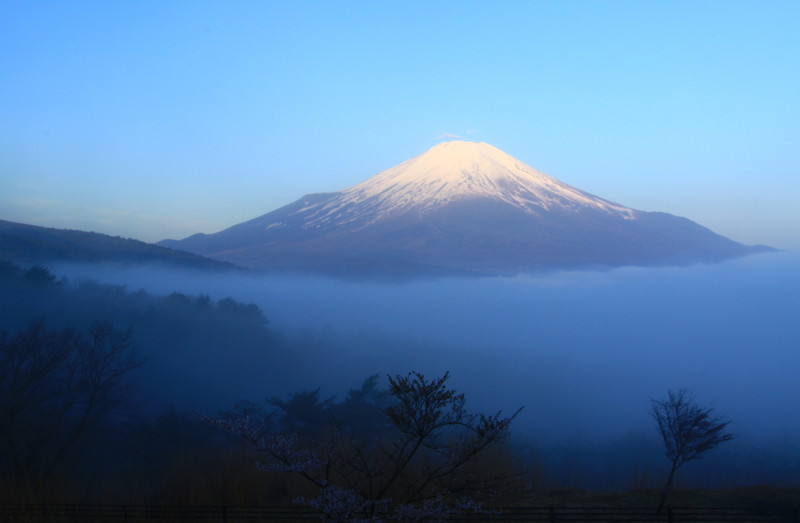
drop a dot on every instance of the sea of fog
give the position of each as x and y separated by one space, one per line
583 352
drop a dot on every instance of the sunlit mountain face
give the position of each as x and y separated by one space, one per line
460 208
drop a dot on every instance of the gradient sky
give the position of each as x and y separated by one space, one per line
157 120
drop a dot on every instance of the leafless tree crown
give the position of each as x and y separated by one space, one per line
688 430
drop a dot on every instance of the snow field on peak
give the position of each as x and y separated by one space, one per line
452 171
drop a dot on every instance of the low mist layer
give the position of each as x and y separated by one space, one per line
584 352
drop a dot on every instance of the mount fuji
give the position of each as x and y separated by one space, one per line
460 208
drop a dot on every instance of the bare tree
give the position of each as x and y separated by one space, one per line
55 385
688 431
416 468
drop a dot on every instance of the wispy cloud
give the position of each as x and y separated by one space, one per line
449 136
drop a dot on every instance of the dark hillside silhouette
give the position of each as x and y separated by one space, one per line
31 244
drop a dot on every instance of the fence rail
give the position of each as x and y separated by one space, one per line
22 513
641 514
153 513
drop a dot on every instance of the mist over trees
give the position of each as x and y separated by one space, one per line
177 334
207 345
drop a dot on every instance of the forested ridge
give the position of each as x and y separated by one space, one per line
130 443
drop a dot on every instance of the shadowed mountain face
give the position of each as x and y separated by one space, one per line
22 243
460 208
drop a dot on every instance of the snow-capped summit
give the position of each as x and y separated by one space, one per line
459 208
457 170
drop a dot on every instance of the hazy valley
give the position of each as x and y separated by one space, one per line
583 352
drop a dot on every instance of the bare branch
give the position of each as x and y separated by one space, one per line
687 429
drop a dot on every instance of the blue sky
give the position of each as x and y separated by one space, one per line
161 119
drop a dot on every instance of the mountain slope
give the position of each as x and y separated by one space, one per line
460 208
23 243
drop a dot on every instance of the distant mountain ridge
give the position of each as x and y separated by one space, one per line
460 208
32 244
